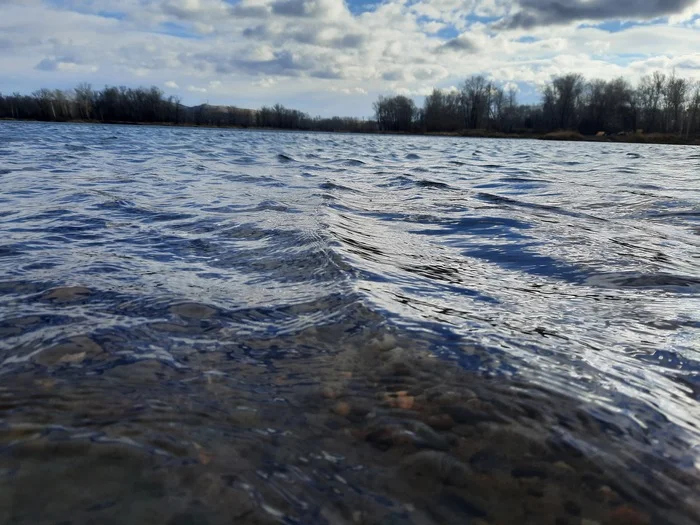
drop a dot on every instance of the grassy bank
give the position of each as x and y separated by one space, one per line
629 138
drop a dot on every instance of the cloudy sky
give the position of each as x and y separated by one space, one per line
335 56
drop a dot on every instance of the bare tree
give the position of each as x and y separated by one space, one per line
396 113
694 111
568 90
476 101
675 93
84 99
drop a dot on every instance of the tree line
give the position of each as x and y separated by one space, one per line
659 103
150 105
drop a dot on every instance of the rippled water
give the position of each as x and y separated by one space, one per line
215 326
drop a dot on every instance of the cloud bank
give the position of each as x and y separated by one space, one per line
534 13
332 56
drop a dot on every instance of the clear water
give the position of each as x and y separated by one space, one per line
217 326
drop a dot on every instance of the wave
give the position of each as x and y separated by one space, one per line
432 184
677 283
338 322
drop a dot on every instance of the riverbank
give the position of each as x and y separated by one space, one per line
574 136
568 136
630 138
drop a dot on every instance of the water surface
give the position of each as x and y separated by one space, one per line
216 326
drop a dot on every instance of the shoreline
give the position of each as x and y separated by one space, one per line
559 136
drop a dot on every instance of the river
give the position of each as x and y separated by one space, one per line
204 326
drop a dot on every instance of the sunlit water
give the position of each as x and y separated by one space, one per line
214 326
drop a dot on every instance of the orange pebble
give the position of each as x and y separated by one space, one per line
405 402
626 515
341 408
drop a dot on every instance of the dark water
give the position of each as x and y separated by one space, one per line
205 326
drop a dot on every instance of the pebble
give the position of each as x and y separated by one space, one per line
385 438
487 461
384 343
72 358
328 392
204 457
528 471
472 412
361 408
400 399
626 515
46 383
405 402
193 310
439 395
427 437
409 432
441 422
437 465
342 409
607 493
564 466
400 369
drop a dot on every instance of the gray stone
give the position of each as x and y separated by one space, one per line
437 466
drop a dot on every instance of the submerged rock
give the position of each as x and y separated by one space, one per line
408 432
67 294
441 422
193 310
342 408
71 352
471 412
626 515
435 466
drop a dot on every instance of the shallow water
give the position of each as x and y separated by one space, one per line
216 326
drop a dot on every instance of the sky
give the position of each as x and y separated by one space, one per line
335 57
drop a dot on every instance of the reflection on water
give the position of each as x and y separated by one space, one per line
203 326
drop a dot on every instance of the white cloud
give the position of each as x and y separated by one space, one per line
297 51
433 27
265 82
65 64
350 91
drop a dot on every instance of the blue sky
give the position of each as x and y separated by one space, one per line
335 57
